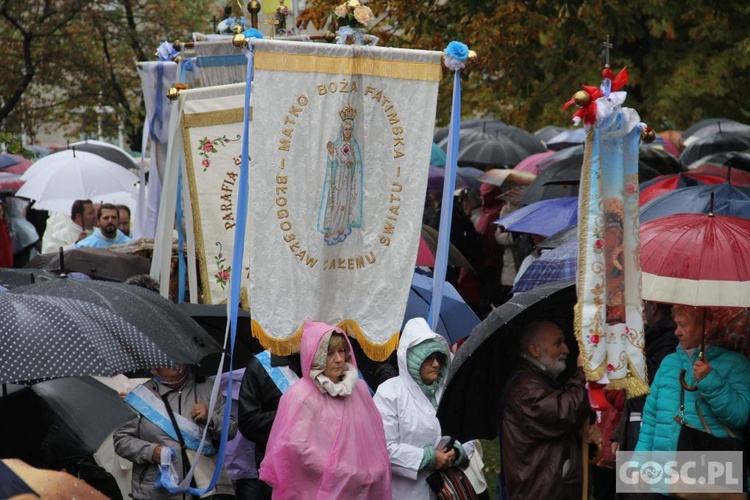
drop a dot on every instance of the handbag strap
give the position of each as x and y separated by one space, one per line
681 418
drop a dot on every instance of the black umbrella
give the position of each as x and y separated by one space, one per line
718 143
695 127
735 159
548 132
491 152
468 408
58 420
160 320
660 160
12 278
560 175
53 337
213 319
99 263
465 137
560 179
521 137
720 127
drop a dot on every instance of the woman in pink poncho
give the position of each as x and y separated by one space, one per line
327 438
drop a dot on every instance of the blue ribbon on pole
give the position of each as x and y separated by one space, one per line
446 211
235 278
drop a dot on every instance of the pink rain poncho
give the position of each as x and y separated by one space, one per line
334 446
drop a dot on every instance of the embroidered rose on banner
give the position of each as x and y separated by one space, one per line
208 147
223 271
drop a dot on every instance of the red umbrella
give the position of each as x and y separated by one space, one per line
736 176
10 183
14 164
697 260
668 183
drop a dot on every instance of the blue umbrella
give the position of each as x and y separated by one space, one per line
558 264
456 318
728 200
545 217
7 160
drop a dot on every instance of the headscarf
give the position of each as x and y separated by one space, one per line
416 355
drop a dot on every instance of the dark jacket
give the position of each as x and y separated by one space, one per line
258 400
541 425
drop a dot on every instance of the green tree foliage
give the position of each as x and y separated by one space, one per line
687 60
70 62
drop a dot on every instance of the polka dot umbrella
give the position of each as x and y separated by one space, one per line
52 337
156 318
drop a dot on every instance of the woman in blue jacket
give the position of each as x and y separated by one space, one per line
722 378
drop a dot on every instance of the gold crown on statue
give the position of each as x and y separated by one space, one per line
348 113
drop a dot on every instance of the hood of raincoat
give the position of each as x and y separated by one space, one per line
330 445
313 333
414 333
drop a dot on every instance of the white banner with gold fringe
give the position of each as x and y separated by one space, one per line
211 126
340 148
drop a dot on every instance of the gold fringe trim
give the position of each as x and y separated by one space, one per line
280 347
376 352
287 346
583 228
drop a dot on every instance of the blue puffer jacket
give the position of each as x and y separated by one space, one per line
723 397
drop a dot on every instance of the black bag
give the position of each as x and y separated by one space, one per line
692 439
451 484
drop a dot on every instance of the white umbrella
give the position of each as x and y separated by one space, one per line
74 175
62 206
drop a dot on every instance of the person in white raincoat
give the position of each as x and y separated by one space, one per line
408 404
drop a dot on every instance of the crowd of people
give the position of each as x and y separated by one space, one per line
313 425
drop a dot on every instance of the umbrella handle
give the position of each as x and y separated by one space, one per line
685 385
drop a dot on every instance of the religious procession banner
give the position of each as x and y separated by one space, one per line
211 127
608 315
340 147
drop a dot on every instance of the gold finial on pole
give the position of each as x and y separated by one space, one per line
253 7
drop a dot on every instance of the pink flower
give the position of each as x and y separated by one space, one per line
208 146
206 163
594 339
630 188
223 275
599 244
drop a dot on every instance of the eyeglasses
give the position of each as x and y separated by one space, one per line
435 356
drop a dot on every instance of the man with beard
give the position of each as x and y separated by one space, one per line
540 420
107 233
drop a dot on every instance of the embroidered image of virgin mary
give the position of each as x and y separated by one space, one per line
341 203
